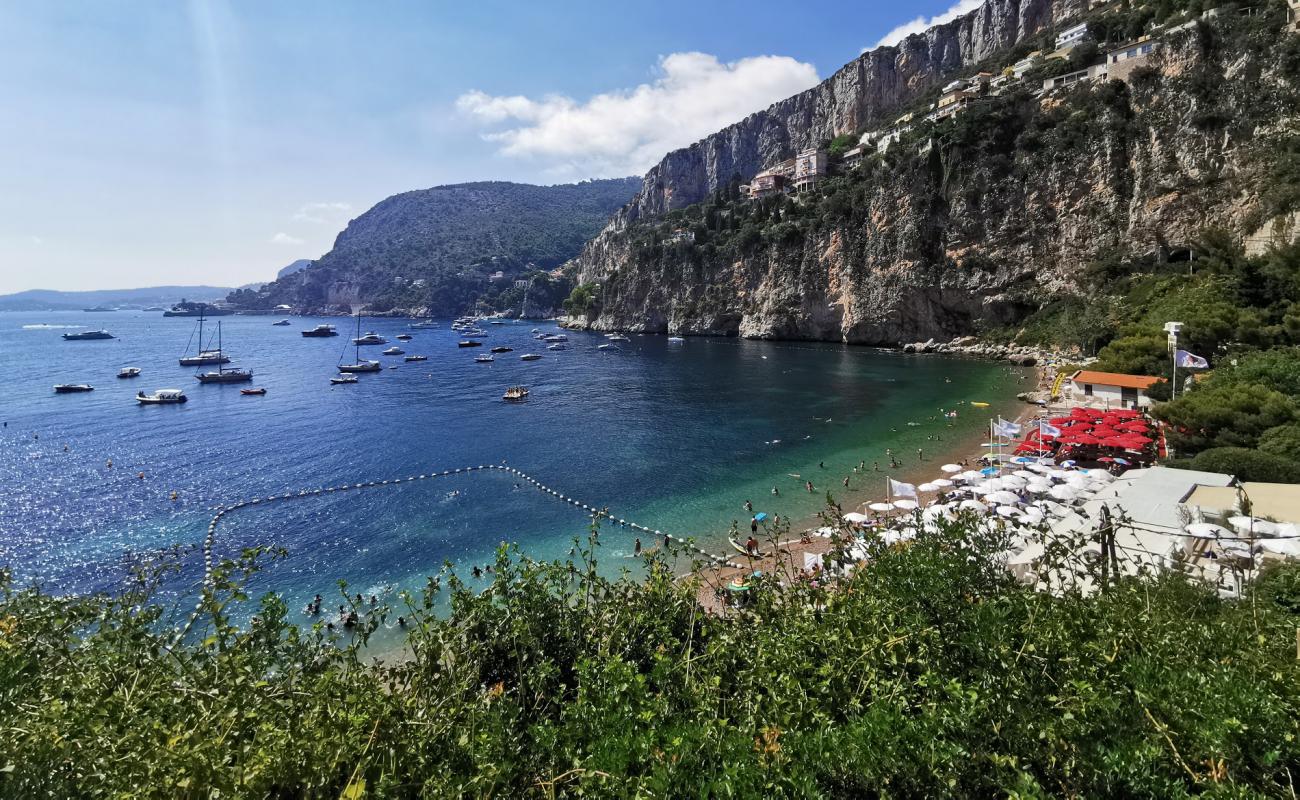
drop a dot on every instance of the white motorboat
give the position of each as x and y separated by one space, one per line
129 372
617 337
675 340
86 335
161 397
529 357
343 378
556 337
558 346
280 323
416 358
370 338
71 388
394 351
320 331
483 359
607 347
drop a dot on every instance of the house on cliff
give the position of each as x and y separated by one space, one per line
1112 389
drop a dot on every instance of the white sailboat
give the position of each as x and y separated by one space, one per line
360 365
223 375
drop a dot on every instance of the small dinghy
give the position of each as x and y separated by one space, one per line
253 391
72 388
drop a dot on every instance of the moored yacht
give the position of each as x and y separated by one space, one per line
343 378
483 359
129 372
204 357
82 336
529 357
394 351
72 388
370 338
223 375
321 331
362 365
281 322
416 358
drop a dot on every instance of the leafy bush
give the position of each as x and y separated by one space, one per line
1224 414
1282 441
928 672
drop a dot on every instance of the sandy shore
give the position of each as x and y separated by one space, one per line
786 559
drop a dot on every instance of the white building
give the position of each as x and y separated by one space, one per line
1072 36
1111 389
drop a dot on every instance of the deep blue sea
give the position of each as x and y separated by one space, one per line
675 437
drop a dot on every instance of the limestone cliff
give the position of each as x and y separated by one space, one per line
970 222
863 94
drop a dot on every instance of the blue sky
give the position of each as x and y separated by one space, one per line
202 141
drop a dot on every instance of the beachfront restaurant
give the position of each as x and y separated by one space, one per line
1111 389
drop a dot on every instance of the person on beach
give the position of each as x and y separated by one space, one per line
920 455
751 546
753 525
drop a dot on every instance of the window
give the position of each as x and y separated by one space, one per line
1087 390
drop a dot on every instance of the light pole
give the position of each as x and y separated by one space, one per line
1172 329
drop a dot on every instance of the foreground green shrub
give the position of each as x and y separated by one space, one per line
928 673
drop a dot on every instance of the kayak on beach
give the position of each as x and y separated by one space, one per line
740 548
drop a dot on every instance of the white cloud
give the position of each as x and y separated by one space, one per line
921 23
38 241
626 131
320 213
284 238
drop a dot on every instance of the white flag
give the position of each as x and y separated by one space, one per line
1046 429
900 489
1006 429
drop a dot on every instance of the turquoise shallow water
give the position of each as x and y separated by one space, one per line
675 437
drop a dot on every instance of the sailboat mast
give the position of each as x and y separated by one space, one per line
221 355
357 339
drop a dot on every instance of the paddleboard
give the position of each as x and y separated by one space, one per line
979 405
740 548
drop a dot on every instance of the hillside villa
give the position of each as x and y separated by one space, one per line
1111 389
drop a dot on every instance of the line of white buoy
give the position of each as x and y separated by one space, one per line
209 540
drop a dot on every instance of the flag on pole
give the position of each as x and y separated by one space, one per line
1006 429
1185 359
1048 429
900 489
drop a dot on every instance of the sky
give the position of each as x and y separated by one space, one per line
213 142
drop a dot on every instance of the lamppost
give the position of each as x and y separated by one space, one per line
1172 329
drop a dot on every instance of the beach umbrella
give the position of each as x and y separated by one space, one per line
1013 482
1085 439
1063 492
927 487
1041 469
1207 530
942 482
1137 439
1099 475
1136 426
1002 497
990 485
972 505
950 468
760 516
1261 527
1076 480
934 512
1059 474
1007 511
1096 486
906 505
1126 413
969 476
856 518
1062 421
1026 474
880 507
825 533
1283 547
1038 487
1032 515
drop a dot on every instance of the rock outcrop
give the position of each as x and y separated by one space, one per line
971 223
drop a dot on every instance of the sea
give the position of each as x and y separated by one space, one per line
673 436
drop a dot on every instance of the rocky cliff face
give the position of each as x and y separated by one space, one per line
864 94
971 222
